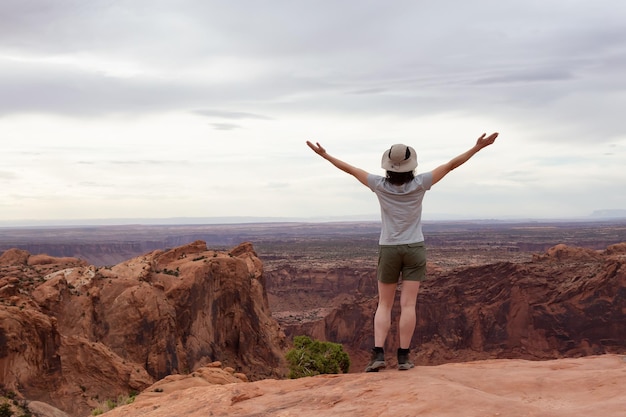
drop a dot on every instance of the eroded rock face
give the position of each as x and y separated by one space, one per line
72 334
590 386
567 302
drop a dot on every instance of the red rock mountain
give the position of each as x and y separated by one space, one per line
567 302
72 335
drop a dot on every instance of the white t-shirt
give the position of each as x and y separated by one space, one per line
400 208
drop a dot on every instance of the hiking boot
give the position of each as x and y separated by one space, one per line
377 362
404 363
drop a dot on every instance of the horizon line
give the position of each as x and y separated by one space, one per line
173 221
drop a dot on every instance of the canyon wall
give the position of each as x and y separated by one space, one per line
566 302
72 334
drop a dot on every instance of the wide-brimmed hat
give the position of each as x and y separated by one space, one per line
399 158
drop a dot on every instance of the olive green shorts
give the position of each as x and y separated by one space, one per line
408 260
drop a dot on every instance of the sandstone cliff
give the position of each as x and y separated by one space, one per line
566 302
73 335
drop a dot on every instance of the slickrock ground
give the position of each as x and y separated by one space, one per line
590 386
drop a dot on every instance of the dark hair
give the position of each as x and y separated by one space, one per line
399 178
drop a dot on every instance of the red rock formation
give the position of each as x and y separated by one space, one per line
72 334
591 386
568 302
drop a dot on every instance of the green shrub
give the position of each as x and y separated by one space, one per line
313 357
27 413
5 410
109 405
171 272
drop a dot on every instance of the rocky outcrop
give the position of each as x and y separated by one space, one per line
567 302
72 334
591 386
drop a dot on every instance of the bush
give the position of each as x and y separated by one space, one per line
313 357
109 405
5 410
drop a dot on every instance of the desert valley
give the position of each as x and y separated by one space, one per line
206 313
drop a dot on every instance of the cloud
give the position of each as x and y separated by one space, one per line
363 59
222 114
146 162
526 77
165 88
225 126
7 175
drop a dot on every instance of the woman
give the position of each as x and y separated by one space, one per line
401 243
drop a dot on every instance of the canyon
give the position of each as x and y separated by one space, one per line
98 312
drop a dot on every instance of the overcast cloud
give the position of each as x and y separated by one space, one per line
170 108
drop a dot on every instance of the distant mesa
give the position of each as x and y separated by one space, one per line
609 214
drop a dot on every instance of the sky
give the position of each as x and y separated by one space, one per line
152 109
